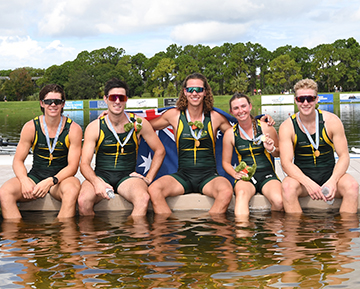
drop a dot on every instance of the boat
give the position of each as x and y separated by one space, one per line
178 203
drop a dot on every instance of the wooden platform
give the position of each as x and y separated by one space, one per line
186 202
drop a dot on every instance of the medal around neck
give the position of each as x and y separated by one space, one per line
116 135
315 144
52 147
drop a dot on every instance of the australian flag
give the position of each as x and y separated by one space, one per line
170 163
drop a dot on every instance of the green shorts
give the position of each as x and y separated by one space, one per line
113 178
261 177
319 175
193 181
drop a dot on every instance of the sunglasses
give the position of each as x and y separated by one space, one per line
308 98
51 101
120 97
192 89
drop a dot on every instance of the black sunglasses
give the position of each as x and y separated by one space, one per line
308 98
51 101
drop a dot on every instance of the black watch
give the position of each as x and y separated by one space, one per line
55 180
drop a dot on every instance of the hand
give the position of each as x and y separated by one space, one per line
105 112
268 119
332 190
42 188
137 175
27 188
100 188
314 190
268 143
239 175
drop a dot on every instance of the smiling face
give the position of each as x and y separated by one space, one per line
52 109
306 107
195 98
116 107
241 109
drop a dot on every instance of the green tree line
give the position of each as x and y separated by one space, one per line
240 67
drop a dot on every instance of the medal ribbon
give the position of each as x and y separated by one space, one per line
52 147
255 140
317 138
197 137
115 133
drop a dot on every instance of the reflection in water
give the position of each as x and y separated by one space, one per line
189 249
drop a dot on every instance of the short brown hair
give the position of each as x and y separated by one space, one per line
51 88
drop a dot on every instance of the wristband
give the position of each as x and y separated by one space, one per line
270 152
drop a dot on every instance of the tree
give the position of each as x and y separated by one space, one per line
327 67
283 72
239 83
163 74
19 86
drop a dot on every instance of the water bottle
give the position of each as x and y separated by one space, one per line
325 191
110 193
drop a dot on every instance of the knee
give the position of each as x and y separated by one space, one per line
277 204
289 188
154 191
352 189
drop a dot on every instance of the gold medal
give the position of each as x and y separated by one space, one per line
197 143
122 150
317 153
51 157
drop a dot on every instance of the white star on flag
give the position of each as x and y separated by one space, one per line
147 163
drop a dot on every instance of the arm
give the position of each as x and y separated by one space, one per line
335 129
75 139
227 152
22 150
90 138
272 139
170 117
286 141
219 122
153 141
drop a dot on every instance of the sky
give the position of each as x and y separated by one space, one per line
41 33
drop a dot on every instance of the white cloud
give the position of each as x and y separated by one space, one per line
39 32
212 31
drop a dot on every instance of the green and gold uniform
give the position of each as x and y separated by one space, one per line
113 165
197 164
320 168
252 153
43 167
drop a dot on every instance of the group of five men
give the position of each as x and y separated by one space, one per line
56 142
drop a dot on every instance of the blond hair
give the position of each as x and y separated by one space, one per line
306 84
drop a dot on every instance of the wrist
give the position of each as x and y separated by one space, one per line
273 150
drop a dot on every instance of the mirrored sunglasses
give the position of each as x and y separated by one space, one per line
51 101
308 98
192 89
114 97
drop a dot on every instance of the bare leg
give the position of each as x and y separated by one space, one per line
221 190
348 189
291 191
166 186
87 199
10 193
244 191
135 190
67 192
272 191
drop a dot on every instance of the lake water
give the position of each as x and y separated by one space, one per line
188 250
10 125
